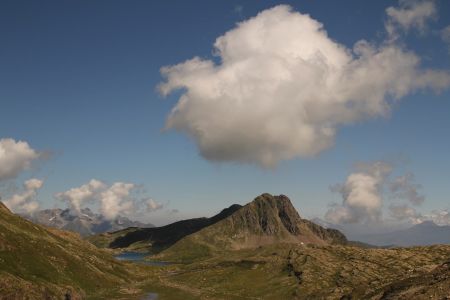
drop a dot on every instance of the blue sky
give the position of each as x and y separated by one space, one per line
78 79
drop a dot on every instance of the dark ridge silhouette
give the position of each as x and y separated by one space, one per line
163 237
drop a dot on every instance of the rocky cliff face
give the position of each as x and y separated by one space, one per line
275 216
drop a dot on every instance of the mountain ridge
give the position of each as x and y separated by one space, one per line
159 238
265 220
86 222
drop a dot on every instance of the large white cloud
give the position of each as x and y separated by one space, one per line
25 202
116 199
15 157
283 87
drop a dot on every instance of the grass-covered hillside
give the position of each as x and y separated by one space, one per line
293 271
43 263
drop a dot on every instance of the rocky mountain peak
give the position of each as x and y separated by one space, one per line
272 214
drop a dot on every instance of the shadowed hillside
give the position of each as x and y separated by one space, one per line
158 238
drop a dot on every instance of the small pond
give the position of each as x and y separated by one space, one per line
138 257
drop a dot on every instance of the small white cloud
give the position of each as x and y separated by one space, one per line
152 205
411 14
15 157
403 187
25 202
283 87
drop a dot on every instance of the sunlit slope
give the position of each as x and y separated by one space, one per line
44 263
295 271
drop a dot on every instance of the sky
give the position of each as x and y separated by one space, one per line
165 110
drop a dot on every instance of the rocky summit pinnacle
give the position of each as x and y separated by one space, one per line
271 212
274 218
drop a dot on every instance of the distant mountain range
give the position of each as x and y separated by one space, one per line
86 223
423 234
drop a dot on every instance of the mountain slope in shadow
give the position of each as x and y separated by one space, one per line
159 238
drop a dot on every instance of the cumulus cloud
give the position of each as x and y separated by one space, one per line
367 190
403 187
411 14
25 202
15 157
77 197
117 199
361 194
283 87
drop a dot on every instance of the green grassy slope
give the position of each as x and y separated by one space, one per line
293 271
46 263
